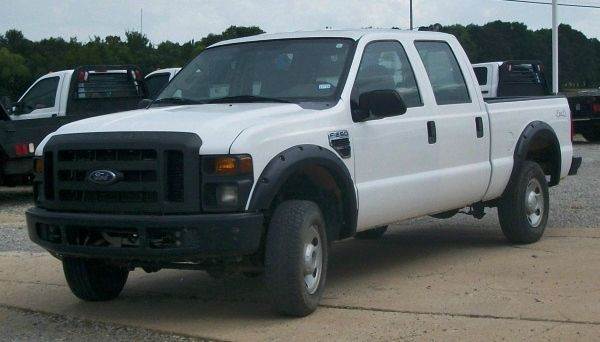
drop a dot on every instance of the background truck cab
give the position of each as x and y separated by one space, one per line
158 79
59 98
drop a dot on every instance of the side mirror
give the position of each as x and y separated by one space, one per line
143 104
17 109
379 103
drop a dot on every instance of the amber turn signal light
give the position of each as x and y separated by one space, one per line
225 165
38 166
233 165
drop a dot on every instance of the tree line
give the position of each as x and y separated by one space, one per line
22 60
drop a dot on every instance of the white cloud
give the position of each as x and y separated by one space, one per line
183 20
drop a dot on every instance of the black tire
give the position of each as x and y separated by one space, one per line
293 224
516 212
592 135
371 234
94 280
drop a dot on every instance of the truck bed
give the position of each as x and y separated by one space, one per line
508 119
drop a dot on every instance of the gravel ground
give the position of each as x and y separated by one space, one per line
23 325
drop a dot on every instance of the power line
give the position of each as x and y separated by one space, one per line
547 3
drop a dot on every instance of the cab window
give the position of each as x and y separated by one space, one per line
445 75
42 95
156 83
482 75
385 66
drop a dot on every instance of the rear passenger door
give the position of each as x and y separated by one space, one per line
394 161
461 125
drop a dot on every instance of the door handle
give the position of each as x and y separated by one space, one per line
479 126
431 132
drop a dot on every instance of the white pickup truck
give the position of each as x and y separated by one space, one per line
264 150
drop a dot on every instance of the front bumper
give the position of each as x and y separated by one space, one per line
171 238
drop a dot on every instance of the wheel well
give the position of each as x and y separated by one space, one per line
539 144
317 184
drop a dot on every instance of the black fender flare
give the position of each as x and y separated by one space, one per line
534 130
294 159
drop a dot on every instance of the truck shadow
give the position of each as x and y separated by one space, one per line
15 195
192 295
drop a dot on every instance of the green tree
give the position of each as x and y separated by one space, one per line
14 74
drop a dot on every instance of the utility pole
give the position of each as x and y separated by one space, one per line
555 82
141 21
411 15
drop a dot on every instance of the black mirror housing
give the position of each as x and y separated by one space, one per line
143 104
381 103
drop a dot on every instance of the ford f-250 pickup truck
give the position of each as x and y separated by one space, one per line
264 150
58 98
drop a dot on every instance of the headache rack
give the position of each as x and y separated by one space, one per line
102 89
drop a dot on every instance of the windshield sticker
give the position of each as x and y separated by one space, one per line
339 46
324 86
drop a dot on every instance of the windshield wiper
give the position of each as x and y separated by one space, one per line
247 99
176 101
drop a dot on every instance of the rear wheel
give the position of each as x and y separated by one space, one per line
523 210
296 258
94 280
371 234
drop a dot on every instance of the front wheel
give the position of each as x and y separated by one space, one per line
523 210
296 258
94 280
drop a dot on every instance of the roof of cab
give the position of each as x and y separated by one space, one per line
351 34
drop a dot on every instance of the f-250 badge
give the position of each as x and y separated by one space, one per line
340 142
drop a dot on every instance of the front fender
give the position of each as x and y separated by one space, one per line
296 158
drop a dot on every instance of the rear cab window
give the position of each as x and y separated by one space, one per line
444 72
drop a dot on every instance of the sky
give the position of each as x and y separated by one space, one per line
184 20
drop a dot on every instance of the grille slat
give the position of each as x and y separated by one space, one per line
174 176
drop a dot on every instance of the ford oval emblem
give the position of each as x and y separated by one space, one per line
104 177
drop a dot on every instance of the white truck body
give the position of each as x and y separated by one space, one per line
417 179
405 133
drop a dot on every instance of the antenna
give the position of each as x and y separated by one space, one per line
411 15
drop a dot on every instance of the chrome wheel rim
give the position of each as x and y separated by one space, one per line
534 203
313 260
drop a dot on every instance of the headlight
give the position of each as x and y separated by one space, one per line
226 182
227 195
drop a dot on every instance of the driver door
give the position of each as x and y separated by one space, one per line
42 100
395 158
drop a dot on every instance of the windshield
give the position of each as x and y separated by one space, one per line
291 70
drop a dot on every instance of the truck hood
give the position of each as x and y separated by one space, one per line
216 124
